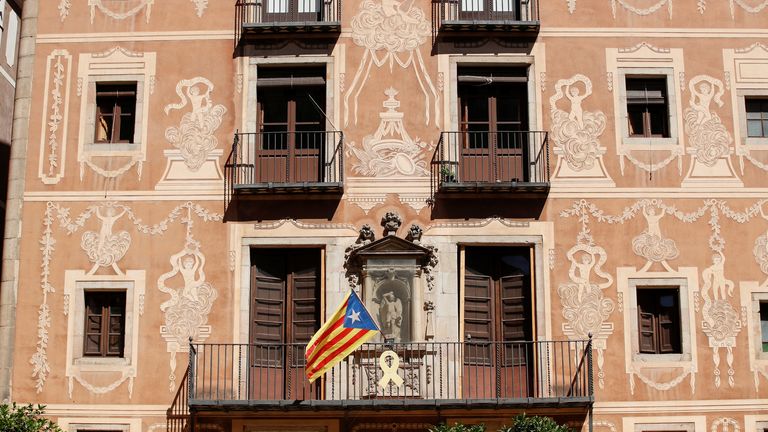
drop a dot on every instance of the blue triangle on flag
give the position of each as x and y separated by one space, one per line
356 316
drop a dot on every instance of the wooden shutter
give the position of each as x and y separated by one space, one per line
104 324
515 320
647 333
669 325
478 318
305 302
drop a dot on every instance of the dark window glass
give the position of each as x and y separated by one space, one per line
647 107
757 117
104 323
659 320
115 112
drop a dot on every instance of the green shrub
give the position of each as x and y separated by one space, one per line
25 418
458 427
523 423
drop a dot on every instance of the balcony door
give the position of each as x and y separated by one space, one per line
291 124
493 123
498 323
286 11
489 10
285 313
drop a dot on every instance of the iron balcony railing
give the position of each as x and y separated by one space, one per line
426 373
314 14
490 158
284 159
177 416
509 12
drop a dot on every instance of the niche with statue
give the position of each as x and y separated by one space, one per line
392 274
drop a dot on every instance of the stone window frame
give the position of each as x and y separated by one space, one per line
686 278
116 65
752 294
643 143
745 71
645 59
665 423
76 282
77 424
750 143
535 61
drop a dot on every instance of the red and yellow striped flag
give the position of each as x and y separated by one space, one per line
349 327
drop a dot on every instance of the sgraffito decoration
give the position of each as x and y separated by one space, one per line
194 137
53 139
129 8
709 138
391 32
186 312
577 132
585 309
721 322
104 248
641 8
390 151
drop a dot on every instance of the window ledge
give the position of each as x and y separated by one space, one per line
109 149
661 360
643 143
759 143
102 363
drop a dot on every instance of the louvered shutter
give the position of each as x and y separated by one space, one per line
305 298
647 332
515 318
478 318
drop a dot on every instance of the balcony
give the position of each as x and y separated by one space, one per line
480 163
270 18
463 18
279 164
434 374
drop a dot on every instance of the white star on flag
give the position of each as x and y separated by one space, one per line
354 316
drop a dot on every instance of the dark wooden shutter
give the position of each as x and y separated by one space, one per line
305 299
647 324
104 324
669 325
515 320
478 318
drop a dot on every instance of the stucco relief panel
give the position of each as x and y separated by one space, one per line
390 151
721 319
195 156
709 141
126 8
53 138
105 247
390 35
576 134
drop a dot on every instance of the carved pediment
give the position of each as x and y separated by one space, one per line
391 246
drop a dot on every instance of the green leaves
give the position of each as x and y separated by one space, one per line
521 423
25 418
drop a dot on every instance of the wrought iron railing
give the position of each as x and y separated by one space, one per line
490 157
282 12
444 11
177 416
283 159
426 373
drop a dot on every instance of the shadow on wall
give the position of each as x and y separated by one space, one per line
5 157
513 207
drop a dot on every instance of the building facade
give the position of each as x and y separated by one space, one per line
551 207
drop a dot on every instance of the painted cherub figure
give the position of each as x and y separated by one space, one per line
714 279
104 248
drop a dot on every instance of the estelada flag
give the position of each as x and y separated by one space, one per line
349 327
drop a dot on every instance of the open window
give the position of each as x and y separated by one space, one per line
493 124
291 124
647 107
658 320
285 313
498 322
115 112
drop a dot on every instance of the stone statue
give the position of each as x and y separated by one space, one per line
391 315
391 223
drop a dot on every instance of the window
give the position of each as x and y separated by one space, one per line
489 9
498 320
291 124
285 313
115 112
764 326
658 320
647 107
493 124
757 117
104 324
